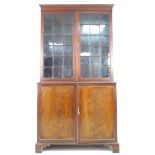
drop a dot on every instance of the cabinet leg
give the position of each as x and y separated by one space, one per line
39 147
115 148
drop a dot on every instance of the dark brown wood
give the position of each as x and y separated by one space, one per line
41 47
96 118
77 45
76 111
39 148
111 46
115 148
57 112
90 7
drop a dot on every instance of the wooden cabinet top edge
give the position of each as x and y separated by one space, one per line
73 83
78 7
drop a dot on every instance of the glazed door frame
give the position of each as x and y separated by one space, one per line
93 12
57 12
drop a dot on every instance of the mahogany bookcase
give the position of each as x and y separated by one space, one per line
76 93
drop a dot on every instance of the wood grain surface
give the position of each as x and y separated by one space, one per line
56 111
96 113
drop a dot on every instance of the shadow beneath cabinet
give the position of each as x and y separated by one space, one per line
77 148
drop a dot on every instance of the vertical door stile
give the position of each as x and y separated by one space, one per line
77 70
77 40
77 117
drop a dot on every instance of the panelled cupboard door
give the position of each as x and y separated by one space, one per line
96 113
56 112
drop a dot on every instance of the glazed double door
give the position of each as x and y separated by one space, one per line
76 113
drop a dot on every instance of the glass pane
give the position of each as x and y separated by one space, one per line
48 40
68 19
84 39
47 72
68 61
105 72
84 29
58 29
58 44
48 50
84 51
105 51
94 51
48 45
96 61
48 19
84 19
104 40
94 19
48 29
67 40
57 72
84 61
68 29
94 39
95 72
85 72
104 19
58 19
48 61
104 29
58 40
105 61
94 45
68 50
58 61
67 72
58 50
94 29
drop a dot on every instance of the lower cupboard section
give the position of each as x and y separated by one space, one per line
76 114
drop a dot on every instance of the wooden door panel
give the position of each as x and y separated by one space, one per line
57 112
96 120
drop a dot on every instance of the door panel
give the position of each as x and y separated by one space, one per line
96 119
57 112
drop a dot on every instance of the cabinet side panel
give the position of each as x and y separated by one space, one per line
96 113
56 111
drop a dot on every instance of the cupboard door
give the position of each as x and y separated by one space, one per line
96 113
56 112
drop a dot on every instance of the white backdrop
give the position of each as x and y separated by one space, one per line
134 59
